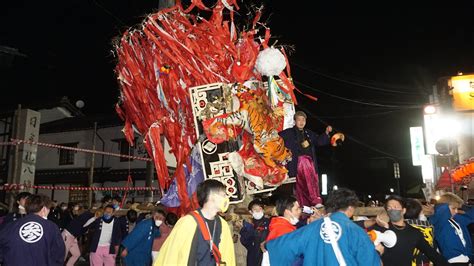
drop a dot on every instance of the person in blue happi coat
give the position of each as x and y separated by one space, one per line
320 241
138 244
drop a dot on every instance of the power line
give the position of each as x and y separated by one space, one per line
359 102
350 137
109 13
353 82
389 86
361 115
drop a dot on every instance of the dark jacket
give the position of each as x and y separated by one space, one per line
66 218
251 236
32 241
290 137
11 217
76 226
97 229
124 225
55 216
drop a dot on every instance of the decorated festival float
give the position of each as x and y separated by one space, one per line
218 92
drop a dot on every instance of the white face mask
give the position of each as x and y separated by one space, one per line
21 209
158 222
422 217
294 220
257 215
46 210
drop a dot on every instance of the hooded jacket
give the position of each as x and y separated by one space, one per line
448 241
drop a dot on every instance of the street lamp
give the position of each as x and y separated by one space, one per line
335 187
430 109
392 190
369 196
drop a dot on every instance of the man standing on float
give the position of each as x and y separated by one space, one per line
303 142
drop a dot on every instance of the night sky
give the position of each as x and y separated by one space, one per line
372 67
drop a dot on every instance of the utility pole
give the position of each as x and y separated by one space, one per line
91 171
13 170
148 179
450 165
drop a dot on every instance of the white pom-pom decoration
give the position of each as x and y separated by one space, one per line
270 62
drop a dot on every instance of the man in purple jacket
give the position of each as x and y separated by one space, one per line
303 142
32 240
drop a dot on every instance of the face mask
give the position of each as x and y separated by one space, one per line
257 215
223 204
107 217
394 215
158 223
116 206
422 217
21 209
294 220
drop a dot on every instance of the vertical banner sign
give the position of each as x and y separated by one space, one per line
417 145
29 124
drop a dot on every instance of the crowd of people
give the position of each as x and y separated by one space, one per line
40 232
299 230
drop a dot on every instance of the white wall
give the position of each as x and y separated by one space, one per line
114 133
111 133
48 158
61 195
46 192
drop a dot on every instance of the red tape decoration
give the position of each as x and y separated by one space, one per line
24 187
54 146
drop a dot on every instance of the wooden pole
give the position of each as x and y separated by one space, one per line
14 170
91 171
148 181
